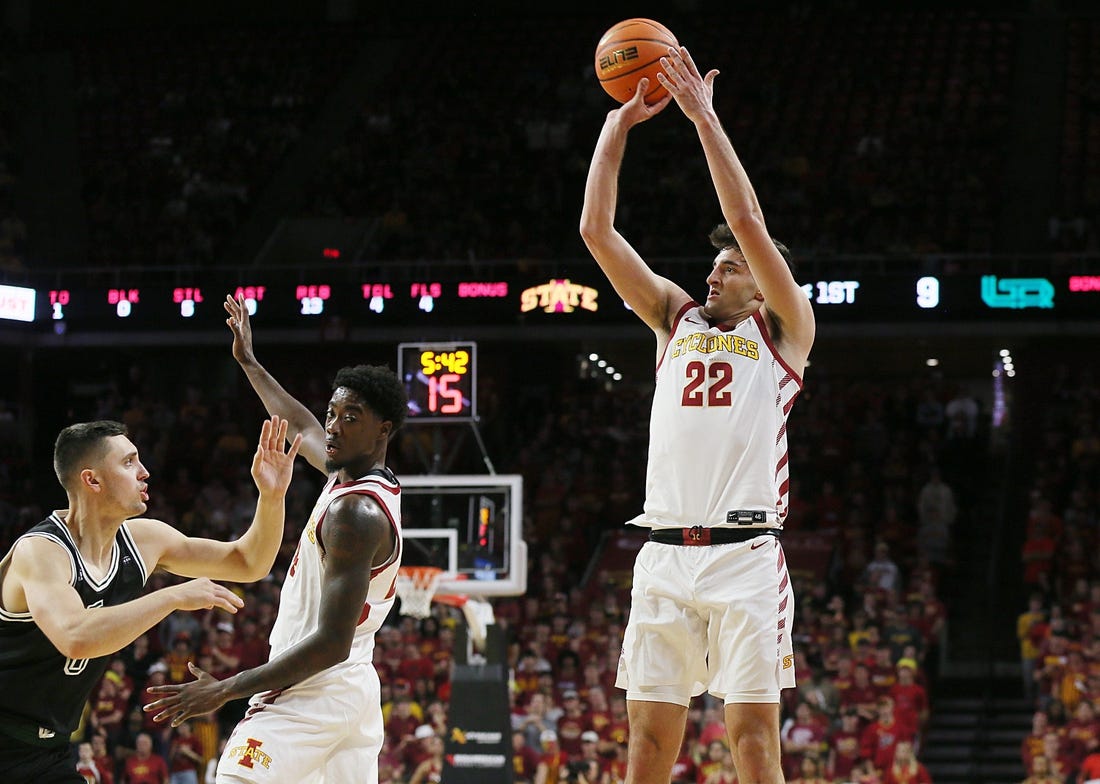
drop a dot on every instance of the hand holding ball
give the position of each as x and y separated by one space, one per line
627 52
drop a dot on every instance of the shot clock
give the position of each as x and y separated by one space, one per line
440 380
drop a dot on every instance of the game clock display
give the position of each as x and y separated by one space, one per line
440 380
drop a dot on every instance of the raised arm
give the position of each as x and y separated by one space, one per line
38 579
655 299
276 400
784 299
246 559
356 530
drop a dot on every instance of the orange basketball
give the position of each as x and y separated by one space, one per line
630 50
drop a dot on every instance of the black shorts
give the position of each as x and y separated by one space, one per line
22 763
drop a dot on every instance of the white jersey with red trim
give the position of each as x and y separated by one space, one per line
300 601
718 428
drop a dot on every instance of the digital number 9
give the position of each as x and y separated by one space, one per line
928 292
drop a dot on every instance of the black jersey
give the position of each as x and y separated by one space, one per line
42 693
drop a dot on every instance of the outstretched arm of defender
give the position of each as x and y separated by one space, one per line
275 398
649 295
250 557
38 578
784 299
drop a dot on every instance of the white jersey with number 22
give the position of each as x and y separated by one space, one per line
718 428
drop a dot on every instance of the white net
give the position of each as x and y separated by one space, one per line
416 586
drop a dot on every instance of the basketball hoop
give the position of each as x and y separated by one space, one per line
416 586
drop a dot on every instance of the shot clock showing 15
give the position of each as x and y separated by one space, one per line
440 380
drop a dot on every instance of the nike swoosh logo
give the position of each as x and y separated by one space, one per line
690 320
755 545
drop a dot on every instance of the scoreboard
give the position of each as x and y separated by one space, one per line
440 380
511 298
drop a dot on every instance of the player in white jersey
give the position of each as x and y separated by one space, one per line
711 604
315 713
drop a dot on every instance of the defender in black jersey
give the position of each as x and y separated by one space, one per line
71 587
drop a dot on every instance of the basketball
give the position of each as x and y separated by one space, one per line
627 52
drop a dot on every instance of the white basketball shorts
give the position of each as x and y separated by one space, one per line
327 728
715 618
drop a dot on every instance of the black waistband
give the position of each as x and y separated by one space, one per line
699 536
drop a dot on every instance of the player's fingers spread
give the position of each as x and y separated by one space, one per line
671 70
283 427
688 61
293 451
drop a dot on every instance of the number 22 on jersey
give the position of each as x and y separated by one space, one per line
706 385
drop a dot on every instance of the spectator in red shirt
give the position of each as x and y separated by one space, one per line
716 752
598 715
910 698
254 647
1040 772
882 735
844 746
802 736
103 760
179 657
125 682
905 768
618 730
1082 733
1032 745
525 760
571 724
714 727
85 764
842 673
861 695
145 767
185 755
108 707
416 664
1054 749
552 761
1090 769
225 652
884 672
811 771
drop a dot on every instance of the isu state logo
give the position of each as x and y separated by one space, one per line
249 754
788 662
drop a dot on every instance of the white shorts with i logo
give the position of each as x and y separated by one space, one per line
328 728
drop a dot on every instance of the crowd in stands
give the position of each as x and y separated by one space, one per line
888 132
1059 631
1075 228
179 134
867 456
13 230
846 142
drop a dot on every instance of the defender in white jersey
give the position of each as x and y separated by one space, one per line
315 713
711 604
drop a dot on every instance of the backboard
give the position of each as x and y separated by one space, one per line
469 525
